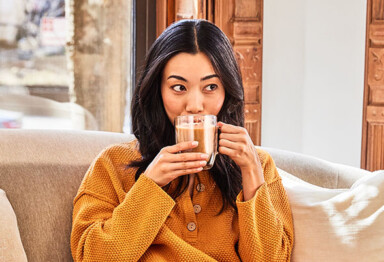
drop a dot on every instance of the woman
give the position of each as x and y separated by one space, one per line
145 201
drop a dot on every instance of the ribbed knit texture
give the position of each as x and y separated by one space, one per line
118 219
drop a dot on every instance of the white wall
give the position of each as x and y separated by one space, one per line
313 77
283 70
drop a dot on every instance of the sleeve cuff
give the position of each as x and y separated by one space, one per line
150 188
240 197
146 194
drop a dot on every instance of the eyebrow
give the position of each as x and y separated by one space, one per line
185 80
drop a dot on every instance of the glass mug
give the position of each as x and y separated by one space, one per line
201 128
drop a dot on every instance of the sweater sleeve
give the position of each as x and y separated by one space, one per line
104 229
265 221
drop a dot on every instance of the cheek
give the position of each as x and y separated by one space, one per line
217 106
172 105
217 103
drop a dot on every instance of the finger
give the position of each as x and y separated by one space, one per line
227 128
184 172
233 137
181 147
187 165
227 151
230 144
186 157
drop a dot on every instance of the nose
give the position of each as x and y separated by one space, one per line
195 103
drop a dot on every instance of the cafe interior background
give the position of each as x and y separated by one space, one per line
312 69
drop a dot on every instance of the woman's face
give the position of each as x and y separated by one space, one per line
190 86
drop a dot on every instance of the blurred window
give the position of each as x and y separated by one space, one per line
34 78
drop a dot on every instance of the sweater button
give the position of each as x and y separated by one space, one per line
200 187
197 209
191 226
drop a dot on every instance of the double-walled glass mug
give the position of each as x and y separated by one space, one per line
201 128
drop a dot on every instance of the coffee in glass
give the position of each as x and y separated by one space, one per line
201 128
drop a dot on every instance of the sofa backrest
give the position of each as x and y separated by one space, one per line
316 171
40 171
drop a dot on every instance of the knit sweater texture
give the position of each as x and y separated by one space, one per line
116 218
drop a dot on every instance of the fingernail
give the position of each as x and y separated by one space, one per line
203 163
199 169
204 156
195 143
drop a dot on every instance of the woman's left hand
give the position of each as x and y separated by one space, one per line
234 141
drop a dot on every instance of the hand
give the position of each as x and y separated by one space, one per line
170 164
234 141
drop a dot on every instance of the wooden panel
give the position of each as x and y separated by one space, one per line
224 13
375 148
249 59
376 66
377 11
375 114
249 9
376 34
376 95
249 31
252 93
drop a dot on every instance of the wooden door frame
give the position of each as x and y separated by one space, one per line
365 96
144 32
372 145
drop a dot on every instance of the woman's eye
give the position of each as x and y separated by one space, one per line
211 87
179 88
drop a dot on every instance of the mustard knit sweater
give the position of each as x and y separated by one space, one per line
118 219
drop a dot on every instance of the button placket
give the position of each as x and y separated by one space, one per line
200 187
191 226
190 219
197 209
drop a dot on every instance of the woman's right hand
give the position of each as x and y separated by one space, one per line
169 164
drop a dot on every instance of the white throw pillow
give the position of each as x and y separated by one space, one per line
337 224
11 248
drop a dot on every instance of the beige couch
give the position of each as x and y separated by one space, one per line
40 172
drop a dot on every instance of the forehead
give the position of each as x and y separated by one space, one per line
189 64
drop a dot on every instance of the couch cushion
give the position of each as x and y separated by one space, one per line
337 224
41 171
11 248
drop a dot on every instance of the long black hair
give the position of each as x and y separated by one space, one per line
150 123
